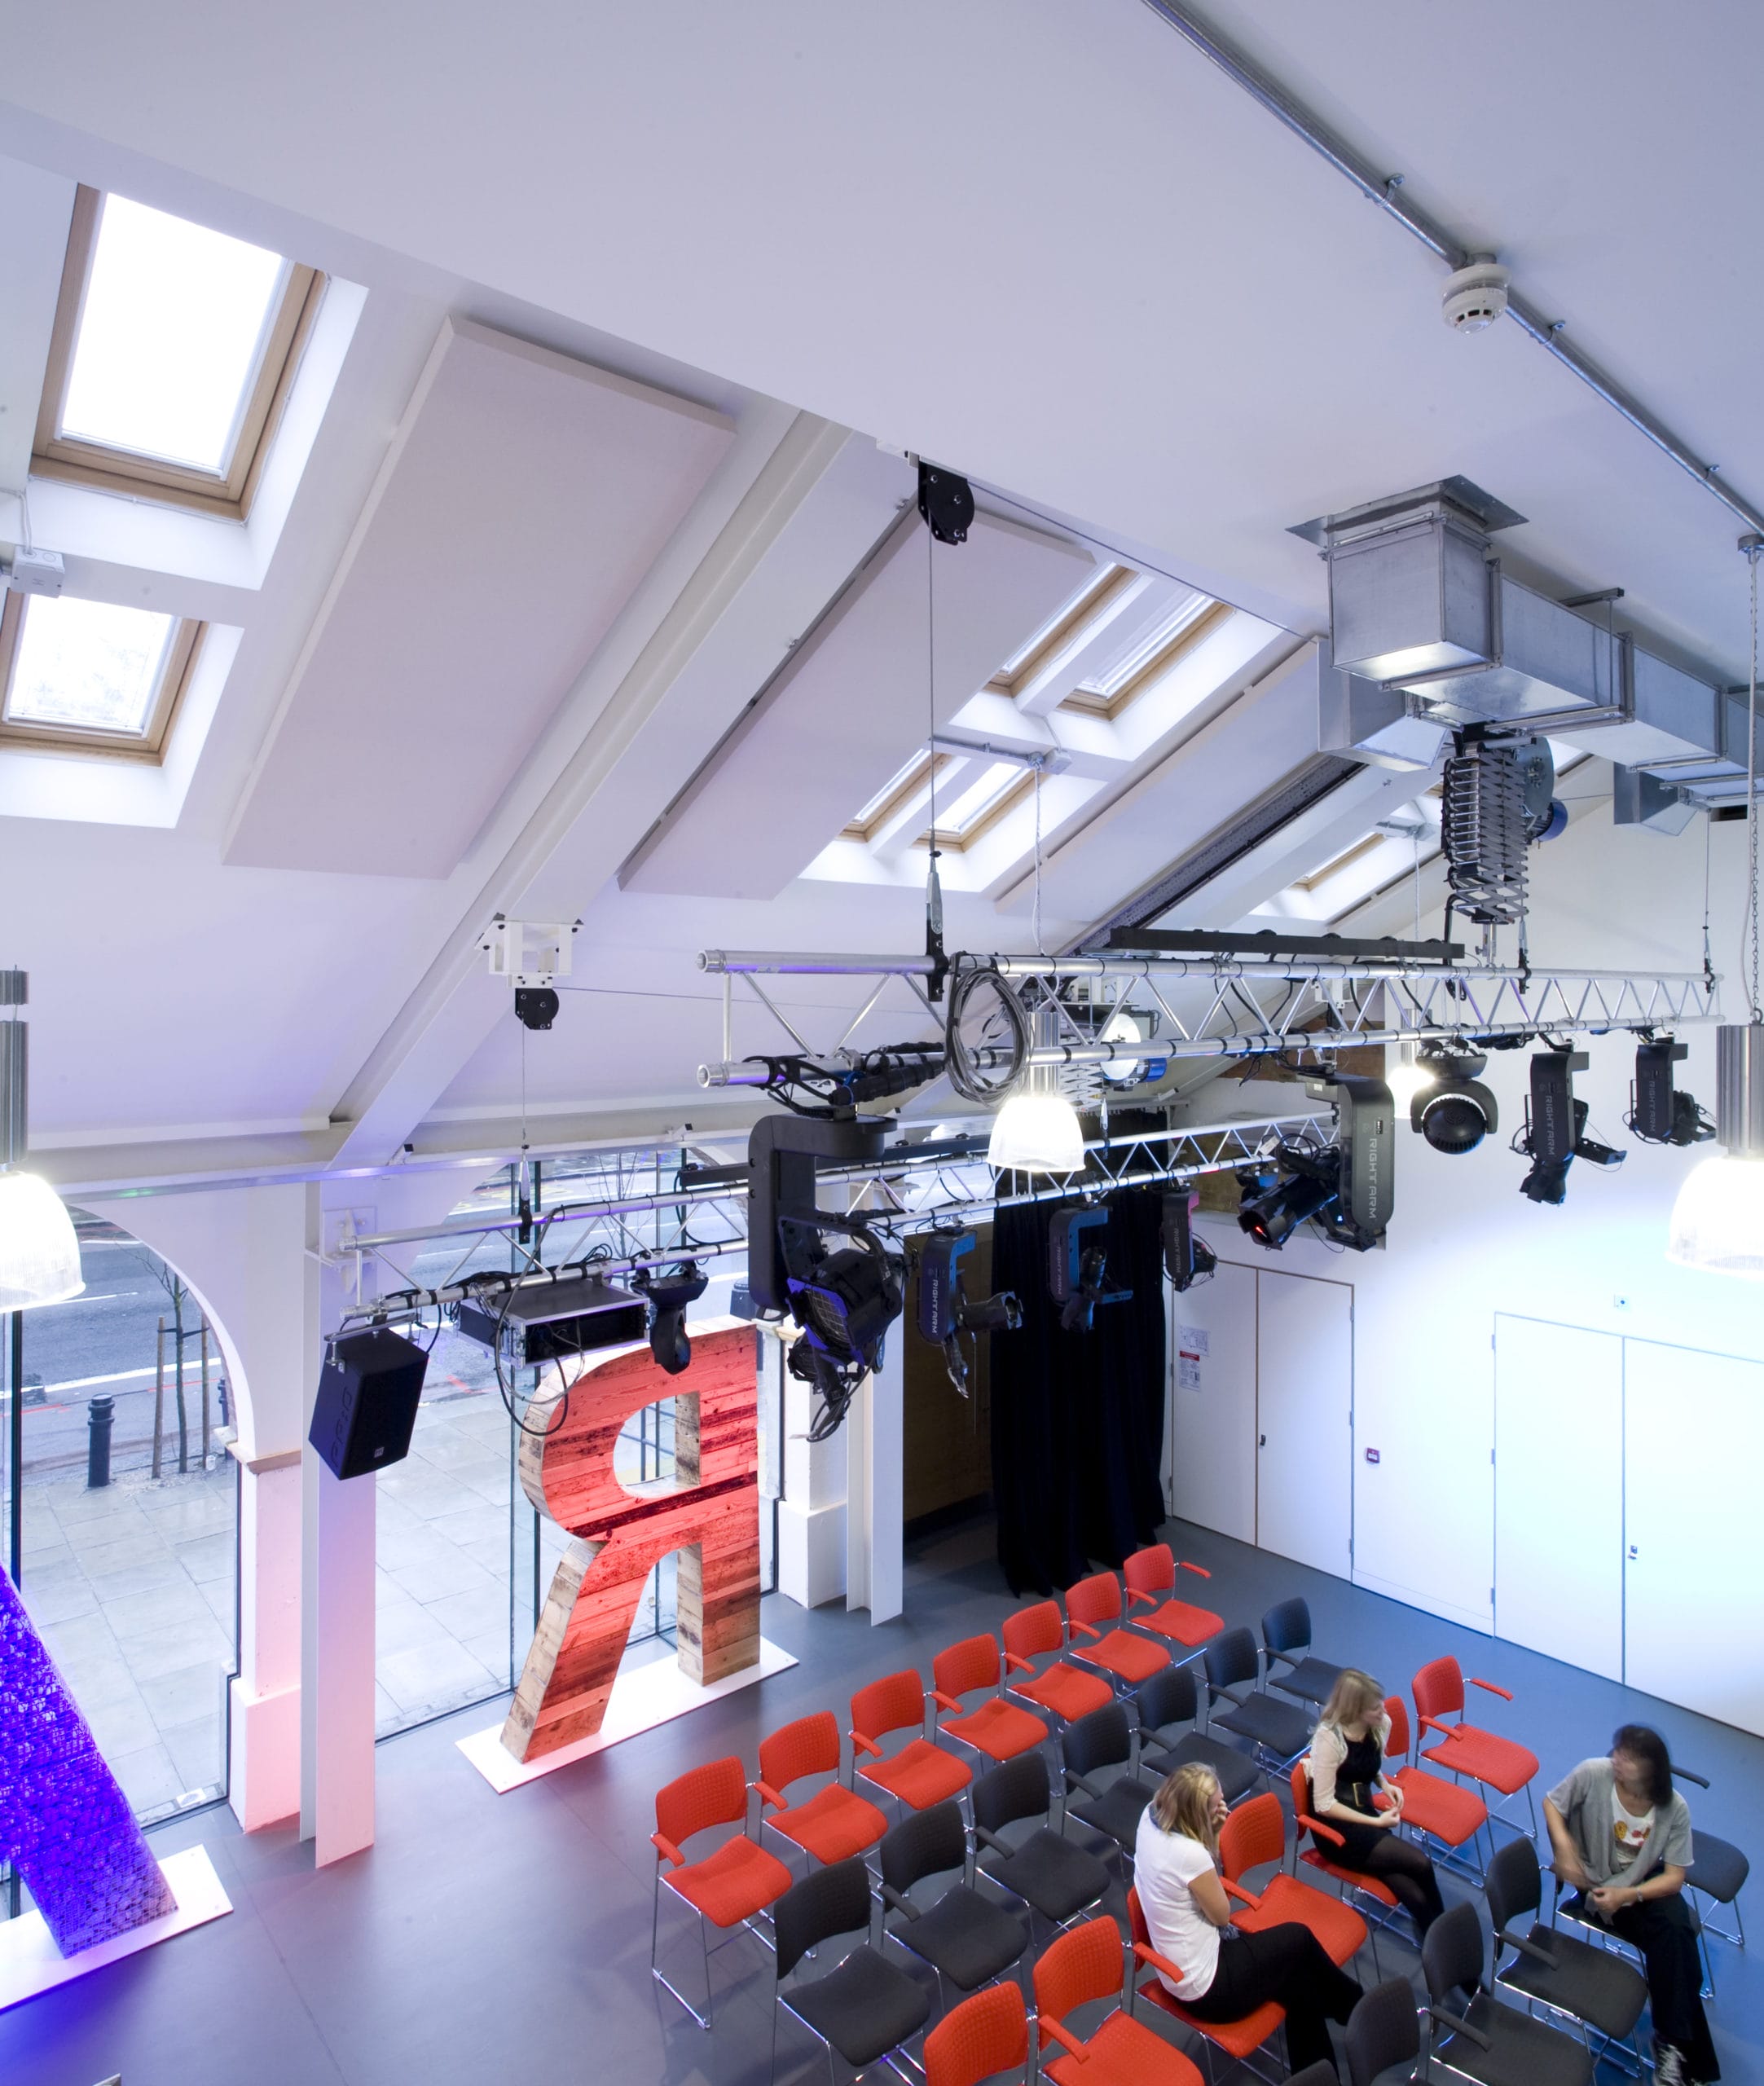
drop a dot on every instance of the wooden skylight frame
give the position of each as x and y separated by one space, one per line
147 745
112 469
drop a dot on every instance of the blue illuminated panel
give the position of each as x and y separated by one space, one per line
65 1823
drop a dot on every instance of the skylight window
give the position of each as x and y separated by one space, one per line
170 337
973 807
173 349
90 676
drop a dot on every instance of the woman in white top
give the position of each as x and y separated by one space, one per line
1351 1796
1222 1975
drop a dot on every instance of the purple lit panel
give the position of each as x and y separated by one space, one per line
65 1823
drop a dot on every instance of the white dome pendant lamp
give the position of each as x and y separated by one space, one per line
39 1254
1718 1222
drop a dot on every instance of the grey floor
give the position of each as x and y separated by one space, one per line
489 1940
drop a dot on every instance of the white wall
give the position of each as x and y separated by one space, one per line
1465 1244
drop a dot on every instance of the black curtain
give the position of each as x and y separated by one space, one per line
1078 1418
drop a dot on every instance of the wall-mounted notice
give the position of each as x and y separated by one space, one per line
1192 1339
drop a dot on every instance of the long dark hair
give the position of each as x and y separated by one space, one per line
1643 1743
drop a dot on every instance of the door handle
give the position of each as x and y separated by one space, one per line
1261 1442
1634 1551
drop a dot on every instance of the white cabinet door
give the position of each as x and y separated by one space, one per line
1559 1492
1694 1445
1212 1402
1305 1461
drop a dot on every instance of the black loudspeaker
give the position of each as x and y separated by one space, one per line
366 1404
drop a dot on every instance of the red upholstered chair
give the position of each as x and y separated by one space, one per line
728 1888
920 1774
1323 1836
998 1730
1094 1614
984 2036
1151 1577
1255 1833
835 1822
1498 1763
1239 2039
1441 1811
1066 1691
1083 1965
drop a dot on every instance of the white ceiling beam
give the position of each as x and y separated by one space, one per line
819 500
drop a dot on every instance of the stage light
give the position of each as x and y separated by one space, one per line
1453 1112
1128 1027
946 1311
1187 1258
39 1254
1554 1135
1365 1129
1717 1221
1078 1267
1409 1077
1292 1189
1660 1113
669 1295
845 1301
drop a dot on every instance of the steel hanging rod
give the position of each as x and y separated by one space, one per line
1387 191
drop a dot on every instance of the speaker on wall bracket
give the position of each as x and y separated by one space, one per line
366 1408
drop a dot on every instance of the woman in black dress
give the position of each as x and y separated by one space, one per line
1350 1795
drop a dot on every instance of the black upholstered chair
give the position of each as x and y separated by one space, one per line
1043 1871
866 2007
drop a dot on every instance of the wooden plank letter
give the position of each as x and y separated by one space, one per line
709 1512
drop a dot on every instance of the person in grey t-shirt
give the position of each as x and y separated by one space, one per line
1621 1837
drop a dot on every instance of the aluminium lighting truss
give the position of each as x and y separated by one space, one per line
909 1189
1213 1006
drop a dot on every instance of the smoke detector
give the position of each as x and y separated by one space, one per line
1474 298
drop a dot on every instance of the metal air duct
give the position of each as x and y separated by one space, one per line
1428 633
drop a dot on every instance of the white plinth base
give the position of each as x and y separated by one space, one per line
30 1962
654 1694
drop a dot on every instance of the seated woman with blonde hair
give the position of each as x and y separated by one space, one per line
1226 1974
1350 1795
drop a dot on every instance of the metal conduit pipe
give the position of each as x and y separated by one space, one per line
1386 191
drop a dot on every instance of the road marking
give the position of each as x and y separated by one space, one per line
193 1369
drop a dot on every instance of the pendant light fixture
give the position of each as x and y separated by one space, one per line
39 1254
1037 1130
1718 1222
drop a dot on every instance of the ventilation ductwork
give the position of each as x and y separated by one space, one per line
1429 635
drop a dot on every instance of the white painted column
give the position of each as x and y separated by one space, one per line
337 1520
812 1514
874 1463
263 1777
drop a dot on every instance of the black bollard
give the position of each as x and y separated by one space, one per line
100 1414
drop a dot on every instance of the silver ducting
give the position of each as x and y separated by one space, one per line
1739 1088
1423 615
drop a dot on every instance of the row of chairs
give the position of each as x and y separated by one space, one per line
1102 1659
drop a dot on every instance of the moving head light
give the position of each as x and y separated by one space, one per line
844 1300
945 1312
1078 1267
1187 1258
1555 1135
1456 1112
668 1297
1659 1112
1290 1189
1366 1135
